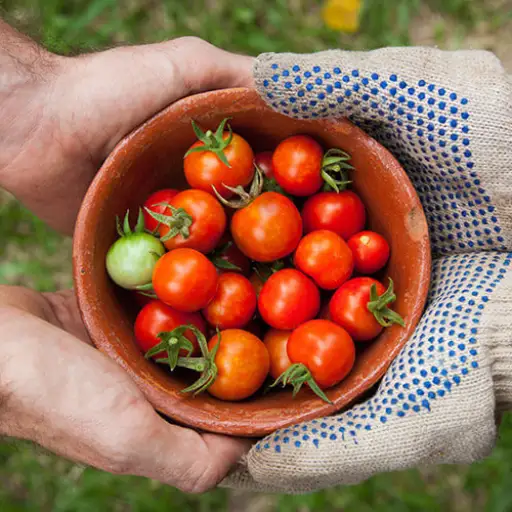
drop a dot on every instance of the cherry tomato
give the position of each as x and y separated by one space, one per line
205 168
349 307
264 162
371 251
325 257
242 361
157 317
276 342
229 258
207 217
185 279
325 349
297 163
341 212
287 299
268 229
234 303
153 203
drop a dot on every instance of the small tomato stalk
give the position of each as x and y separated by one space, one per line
178 223
378 305
296 375
171 343
205 365
334 163
213 142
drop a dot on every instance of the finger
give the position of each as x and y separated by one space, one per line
147 79
186 459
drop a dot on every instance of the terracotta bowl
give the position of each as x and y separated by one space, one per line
151 158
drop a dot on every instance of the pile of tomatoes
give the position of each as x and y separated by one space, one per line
250 271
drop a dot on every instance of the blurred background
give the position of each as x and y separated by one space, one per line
31 254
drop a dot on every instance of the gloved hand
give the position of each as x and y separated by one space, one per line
447 116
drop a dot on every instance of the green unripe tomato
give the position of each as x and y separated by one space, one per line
131 259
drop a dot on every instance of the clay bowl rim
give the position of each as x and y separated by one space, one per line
157 396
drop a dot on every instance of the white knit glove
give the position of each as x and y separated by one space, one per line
447 116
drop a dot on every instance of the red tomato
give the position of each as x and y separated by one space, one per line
267 229
228 255
371 251
242 361
185 280
153 203
234 303
349 308
276 342
264 162
208 222
157 317
326 258
297 163
204 168
288 299
341 212
325 349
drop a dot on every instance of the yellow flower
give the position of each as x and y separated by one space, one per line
342 15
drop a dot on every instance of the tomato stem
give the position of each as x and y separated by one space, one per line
214 142
378 305
245 198
171 343
335 163
178 223
296 375
205 364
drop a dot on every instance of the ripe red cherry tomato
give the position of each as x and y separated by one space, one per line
276 342
204 168
349 307
242 361
153 203
208 222
287 299
264 162
325 349
185 279
371 251
297 163
325 257
234 303
341 212
157 317
268 229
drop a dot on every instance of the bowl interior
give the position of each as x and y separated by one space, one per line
151 158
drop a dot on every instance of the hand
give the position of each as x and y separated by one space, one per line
63 394
62 116
447 117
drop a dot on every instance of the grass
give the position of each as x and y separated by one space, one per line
33 255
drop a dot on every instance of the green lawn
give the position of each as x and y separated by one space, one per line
32 254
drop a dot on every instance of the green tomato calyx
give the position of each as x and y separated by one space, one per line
171 343
205 364
378 305
178 223
296 375
335 170
245 198
214 142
